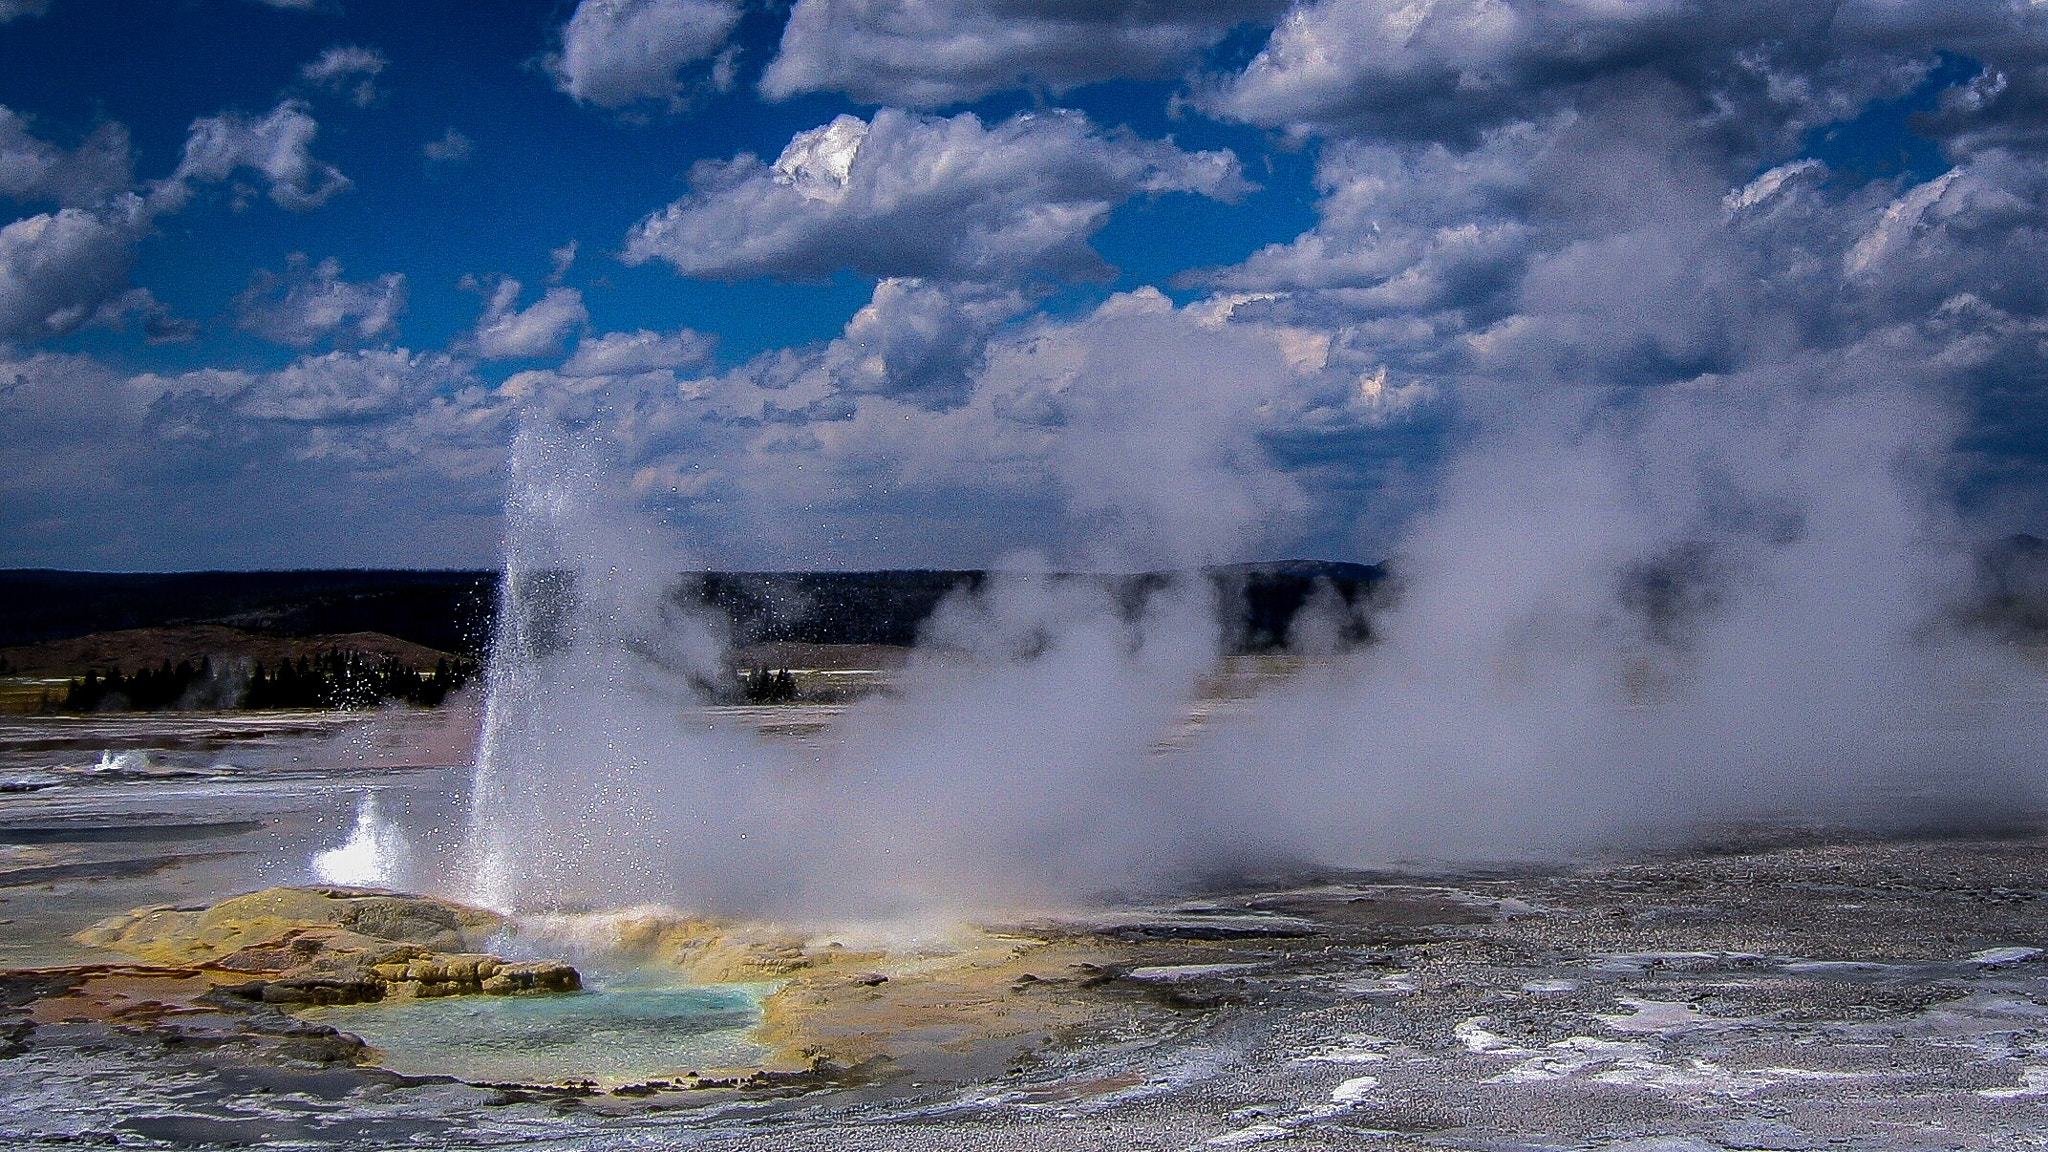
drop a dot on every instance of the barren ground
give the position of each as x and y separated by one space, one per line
1784 989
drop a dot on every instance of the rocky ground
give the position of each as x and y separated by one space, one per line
1778 990
1806 995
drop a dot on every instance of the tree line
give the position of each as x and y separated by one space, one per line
762 686
333 679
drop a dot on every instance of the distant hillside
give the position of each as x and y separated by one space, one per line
137 648
445 611
451 611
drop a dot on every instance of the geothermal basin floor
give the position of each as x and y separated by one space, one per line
1785 990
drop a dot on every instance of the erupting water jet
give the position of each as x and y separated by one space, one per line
375 855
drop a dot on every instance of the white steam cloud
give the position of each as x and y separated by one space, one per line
1618 626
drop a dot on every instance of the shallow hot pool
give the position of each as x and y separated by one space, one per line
614 1034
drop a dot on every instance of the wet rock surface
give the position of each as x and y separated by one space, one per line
210 996
188 935
327 945
1797 994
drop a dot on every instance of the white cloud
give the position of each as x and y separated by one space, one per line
344 385
819 162
560 260
1329 59
311 303
58 269
1447 68
14 9
62 270
452 148
1599 243
922 342
1414 228
154 318
506 332
32 169
350 69
618 52
1764 187
936 52
276 145
1970 232
378 457
909 195
631 353
373 408
1131 435
1897 224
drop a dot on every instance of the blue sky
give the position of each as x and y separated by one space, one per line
894 282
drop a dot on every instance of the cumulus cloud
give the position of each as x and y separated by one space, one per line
1960 246
1546 232
631 353
334 386
382 456
349 69
14 9
1411 230
921 341
1605 245
311 303
139 308
909 195
1900 221
1761 189
938 52
1132 435
383 419
342 385
617 52
33 169
508 332
1452 67
1617 240
58 269
277 146
452 148
1337 60
62 270
560 260
2004 106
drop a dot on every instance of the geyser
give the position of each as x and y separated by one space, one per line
1015 764
375 855
1618 625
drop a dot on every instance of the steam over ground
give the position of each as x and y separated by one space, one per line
1590 650
1678 416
